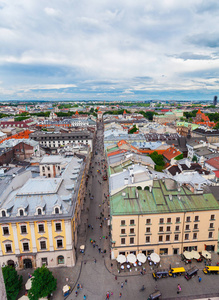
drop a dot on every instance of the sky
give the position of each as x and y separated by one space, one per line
112 50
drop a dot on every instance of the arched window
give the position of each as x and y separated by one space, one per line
56 210
39 211
3 214
21 212
61 259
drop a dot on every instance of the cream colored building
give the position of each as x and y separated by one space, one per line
39 217
167 219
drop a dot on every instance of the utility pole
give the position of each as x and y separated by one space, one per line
2 286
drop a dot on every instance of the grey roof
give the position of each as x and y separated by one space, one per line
54 159
14 142
130 156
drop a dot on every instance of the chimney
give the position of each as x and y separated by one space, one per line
136 193
126 181
171 197
150 188
132 177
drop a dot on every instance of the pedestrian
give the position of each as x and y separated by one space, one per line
115 277
78 286
122 285
178 288
99 249
199 279
95 260
126 281
76 293
81 287
85 297
120 295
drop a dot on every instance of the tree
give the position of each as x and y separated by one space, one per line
12 281
43 283
91 110
133 129
180 156
194 158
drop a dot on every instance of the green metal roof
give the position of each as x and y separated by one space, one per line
132 201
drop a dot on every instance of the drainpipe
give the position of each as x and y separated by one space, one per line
183 231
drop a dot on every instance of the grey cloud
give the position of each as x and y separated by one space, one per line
209 6
193 56
206 39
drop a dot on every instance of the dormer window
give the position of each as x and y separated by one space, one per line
39 211
3 213
56 210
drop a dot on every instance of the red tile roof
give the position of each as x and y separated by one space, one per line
214 162
171 153
217 173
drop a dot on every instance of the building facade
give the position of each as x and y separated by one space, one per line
167 219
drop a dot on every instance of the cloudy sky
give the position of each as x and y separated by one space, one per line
111 49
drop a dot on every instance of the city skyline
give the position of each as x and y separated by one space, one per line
114 51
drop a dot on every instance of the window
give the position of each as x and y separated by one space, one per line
44 261
59 244
132 230
196 218
161 229
132 222
161 220
21 212
23 229
195 226
5 231
58 227
168 228
48 168
210 235
49 175
148 239
61 259
160 238
211 225
123 223
212 217
188 219
122 231
3 213
148 229
168 238
42 245
8 248
177 228
176 237
56 210
41 227
168 220
177 220
186 236
39 211
43 168
25 246
148 221
122 241
187 227
132 240
195 236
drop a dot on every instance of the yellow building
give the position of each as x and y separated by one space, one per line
39 217
166 219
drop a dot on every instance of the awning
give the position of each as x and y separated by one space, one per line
65 288
141 258
155 257
195 254
206 254
187 255
131 258
121 259
28 284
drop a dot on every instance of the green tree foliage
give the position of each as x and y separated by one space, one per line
194 158
148 114
179 157
134 129
91 110
43 283
21 118
216 126
213 117
158 168
157 158
190 114
12 281
41 114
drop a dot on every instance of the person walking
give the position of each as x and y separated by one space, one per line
126 281
85 297
120 295
122 284
199 279
178 288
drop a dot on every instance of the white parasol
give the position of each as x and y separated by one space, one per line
141 257
28 284
188 255
195 254
155 257
23 298
131 258
65 288
206 254
121 259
